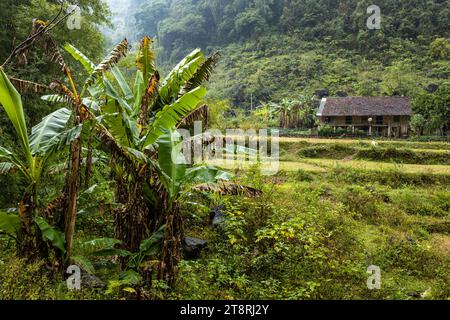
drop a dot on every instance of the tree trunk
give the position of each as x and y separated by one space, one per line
25 237
88 172
171 250
72 188
30 244
135 219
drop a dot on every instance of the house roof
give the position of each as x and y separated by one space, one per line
365 106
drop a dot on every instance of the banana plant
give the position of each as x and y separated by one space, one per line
295 113
140 120
137 117
46 139
140 123
38 146
81 107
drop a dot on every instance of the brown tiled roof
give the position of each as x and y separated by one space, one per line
365 106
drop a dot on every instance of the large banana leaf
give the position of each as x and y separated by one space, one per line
12 103
55 98
122 84
111 60
116 126
206 174
112 93
112 117
80 57
203 73
91 104
168 118
51 234
138 90
145 60
50 127
61 141
171 161
150 246
5 153
178 78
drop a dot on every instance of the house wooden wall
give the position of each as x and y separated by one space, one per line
358 121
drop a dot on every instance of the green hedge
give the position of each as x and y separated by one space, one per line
389 154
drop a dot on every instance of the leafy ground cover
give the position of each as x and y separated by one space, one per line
312 234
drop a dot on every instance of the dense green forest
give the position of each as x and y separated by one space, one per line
17 17
274 49
93 171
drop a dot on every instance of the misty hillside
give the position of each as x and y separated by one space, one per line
274 49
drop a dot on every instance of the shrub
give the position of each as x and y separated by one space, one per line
329 151
403 155
372 153
303 175
326 131
414 203
412 258
392 178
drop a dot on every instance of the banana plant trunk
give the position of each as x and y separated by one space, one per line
171 251
30 243
89 160
132 220
72 189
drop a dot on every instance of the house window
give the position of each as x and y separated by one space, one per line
397 119
379 120
364 119
328 120
348 120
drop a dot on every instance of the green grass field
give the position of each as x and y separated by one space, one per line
386 213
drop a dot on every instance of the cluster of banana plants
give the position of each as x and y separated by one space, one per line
47 139
136 126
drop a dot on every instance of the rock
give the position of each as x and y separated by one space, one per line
90 281
414 294
417 294
192 247
432 88
217 216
